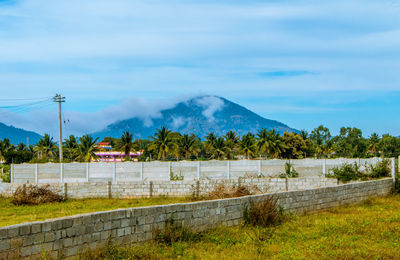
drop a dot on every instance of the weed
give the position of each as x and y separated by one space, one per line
381 169
264 213
290 171
346 172
174 232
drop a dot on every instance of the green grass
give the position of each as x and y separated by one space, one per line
370 230
11 214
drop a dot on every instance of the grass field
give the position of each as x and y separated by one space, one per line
370 230
11 214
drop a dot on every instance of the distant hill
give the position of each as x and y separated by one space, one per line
18 135
200 115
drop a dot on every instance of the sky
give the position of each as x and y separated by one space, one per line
303 63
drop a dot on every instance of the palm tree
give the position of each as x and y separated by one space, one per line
188 146
218 149
21 147
209 142
162 142
71 148
5 147
125 144
247 145
231 144
86 148
46 147
270 143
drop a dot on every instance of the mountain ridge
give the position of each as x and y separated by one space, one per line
18 135
199 115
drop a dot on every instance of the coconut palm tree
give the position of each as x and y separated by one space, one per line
5 147
270 143
188 146
87 148
22 147
71 148
218 149
125 144
231 144
162 142
46 147
247 145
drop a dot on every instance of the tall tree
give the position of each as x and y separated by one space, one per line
321 137
87 148
162 142
218 149
5 147
295 146
46 147
231 144
125 144
188 145
71 148
248 145
270 143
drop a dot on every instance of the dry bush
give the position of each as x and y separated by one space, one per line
222 191
34 195
264 213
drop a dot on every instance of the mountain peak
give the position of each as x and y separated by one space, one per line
198 115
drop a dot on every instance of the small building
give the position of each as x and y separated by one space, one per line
111 156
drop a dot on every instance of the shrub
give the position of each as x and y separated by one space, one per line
174 232
5 176
264 213
222 191
397 185
34 195
346 172
290 171
381 169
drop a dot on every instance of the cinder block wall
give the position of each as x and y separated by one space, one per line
177 188
66 237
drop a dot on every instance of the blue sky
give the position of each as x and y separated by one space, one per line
304 63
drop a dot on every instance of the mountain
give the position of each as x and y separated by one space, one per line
18 135
201 116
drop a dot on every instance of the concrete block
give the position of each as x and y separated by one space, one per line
36 228
12 232
4 245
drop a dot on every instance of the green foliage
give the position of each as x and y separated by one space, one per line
264 213
86 148
397 185
5 176
125 144
174 232
290 171
18 156
346 172
350 172
381 169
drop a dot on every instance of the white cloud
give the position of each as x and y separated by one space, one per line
210 104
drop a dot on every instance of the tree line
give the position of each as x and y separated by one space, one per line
168 145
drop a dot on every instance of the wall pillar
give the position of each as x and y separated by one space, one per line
228 170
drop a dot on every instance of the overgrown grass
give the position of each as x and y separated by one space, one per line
11 214
370 230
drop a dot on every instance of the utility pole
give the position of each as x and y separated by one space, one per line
59 99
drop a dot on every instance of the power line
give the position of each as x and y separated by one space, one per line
25 99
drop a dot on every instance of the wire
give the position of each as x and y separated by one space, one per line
25 105
26 99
